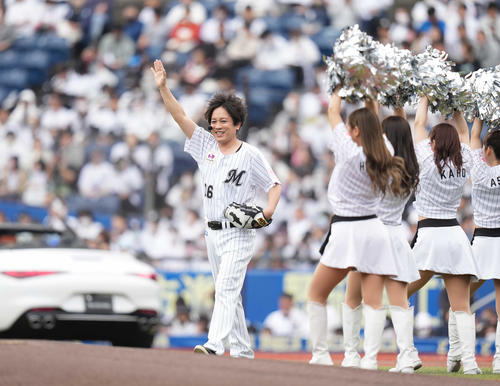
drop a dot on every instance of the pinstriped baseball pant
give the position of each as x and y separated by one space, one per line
229 252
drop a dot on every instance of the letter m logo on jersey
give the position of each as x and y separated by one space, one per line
234 177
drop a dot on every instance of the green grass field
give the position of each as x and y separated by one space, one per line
487 373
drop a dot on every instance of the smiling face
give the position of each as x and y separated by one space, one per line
223 128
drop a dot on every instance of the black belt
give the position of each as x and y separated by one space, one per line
433 223
217 225
486 232
336 218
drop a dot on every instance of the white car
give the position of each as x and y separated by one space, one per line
53 288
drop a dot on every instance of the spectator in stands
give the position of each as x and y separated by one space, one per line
490 22
133 27
10 147
185 34
432 21
304 54
182 324
128 185
122 238
57 215
116 49
57 117
193 13
192 228
242 49
154 35
66 163
12 180
274 52
106 117
95 186
51 14
26 113
160 243
102 241
7 32
23 15
84 225
36 187
287 320
219 29
196 68
423 326
486 49
400 30
95 17
148 12
487 324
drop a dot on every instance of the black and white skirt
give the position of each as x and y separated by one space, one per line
442 246
486 250
364 245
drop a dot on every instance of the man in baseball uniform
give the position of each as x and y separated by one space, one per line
232 172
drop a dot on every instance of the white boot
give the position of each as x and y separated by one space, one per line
417 363
351 325
496 358
466 326
454 350
402 321
318 334
374 327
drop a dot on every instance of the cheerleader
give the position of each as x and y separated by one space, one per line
485 175
390 212
440 246
357 240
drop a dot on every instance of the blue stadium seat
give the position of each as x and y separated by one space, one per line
15 78
325 38
25 43
4 92
36 59
9 59
282 79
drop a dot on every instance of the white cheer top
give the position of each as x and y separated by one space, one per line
485 192
350 191
439 194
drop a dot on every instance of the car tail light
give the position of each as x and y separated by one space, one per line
147 312
151 276
28 274
43 309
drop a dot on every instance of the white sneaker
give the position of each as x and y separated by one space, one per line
452 365
325 360
475 371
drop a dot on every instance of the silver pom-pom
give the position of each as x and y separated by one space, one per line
442 87
398 63
368 69
350 66
483 91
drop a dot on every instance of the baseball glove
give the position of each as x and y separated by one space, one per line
246 216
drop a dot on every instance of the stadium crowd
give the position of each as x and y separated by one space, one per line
94 138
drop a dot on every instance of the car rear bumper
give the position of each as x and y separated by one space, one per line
61 325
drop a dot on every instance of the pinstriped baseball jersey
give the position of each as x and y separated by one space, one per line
350 191
485 192
391 208
227 178
438 195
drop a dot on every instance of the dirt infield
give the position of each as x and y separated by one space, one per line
44 363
